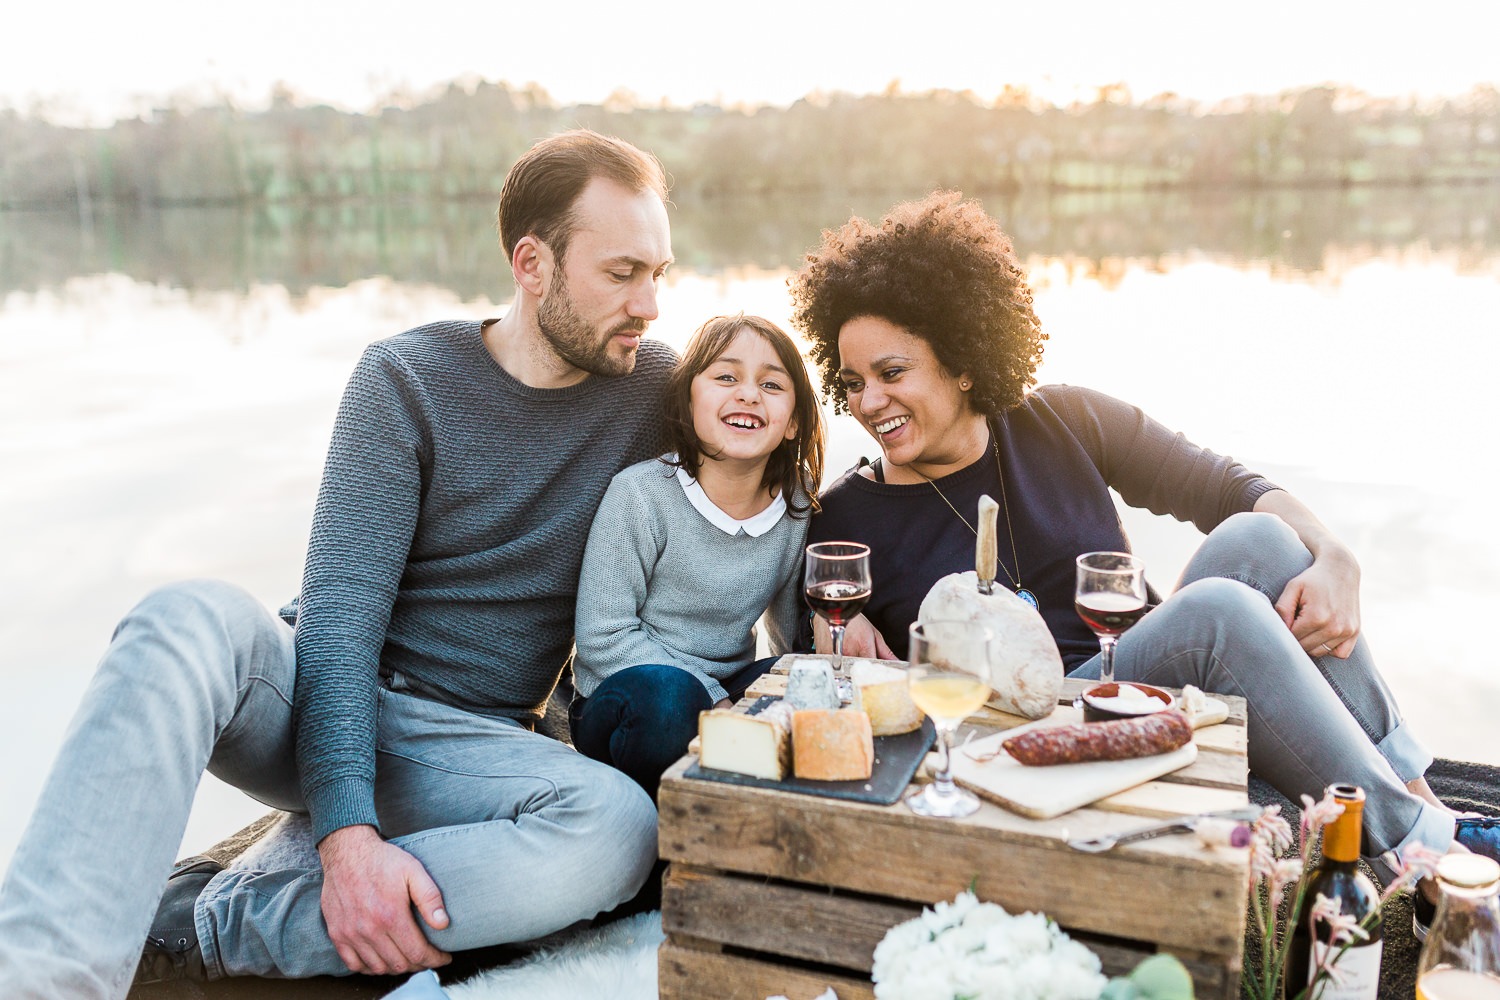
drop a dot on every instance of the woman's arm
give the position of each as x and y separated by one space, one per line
1321 604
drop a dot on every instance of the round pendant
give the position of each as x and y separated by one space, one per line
1028 597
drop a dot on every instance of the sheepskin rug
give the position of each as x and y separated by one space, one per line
614 962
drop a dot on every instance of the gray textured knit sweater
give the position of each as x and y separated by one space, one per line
447 540
662 585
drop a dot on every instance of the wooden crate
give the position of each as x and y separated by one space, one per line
774 892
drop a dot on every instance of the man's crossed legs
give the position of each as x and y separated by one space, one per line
522 834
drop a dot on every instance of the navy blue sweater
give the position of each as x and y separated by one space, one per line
1062 450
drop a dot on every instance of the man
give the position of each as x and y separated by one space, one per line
434 619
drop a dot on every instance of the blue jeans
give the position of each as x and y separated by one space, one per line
522 834
1313 721
642 718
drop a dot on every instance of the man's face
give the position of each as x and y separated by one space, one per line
603 293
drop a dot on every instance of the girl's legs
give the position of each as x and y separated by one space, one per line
641 719
1311 723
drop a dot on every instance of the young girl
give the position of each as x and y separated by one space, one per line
689 550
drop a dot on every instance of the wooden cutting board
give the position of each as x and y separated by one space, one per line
1044 792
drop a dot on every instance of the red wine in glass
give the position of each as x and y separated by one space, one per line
837 601
837 585
1109 613
1110 596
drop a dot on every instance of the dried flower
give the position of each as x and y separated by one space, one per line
1280 877
1316 815
1343 928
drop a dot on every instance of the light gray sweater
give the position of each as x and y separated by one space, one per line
662 585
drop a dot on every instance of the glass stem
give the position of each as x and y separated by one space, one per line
1107 659
944 776
837 631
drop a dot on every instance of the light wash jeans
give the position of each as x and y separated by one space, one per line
522 834
1313 721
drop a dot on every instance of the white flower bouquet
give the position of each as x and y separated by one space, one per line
968 950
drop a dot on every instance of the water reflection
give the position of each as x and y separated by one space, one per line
168 383
452 243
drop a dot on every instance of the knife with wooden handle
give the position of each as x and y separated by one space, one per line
986 546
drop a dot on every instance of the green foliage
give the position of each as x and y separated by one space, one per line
1160 977
459 143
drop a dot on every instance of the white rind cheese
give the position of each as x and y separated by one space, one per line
881 692
756 745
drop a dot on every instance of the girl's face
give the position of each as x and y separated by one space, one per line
742 402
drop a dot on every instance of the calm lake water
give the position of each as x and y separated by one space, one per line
168 384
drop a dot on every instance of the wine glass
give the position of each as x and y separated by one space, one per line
837 585
948 673
1110 596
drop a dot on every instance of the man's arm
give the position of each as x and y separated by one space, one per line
1321 604
361 536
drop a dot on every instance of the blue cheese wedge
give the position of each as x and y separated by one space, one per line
810 685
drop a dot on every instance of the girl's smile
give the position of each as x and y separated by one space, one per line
742 403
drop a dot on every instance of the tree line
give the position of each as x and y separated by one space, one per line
458 143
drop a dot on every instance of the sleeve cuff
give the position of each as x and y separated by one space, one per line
340 803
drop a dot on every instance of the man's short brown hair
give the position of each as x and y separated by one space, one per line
541 188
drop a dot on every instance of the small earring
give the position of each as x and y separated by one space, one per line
964 384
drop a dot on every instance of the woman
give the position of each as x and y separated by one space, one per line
924 330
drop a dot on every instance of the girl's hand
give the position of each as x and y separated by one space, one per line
1321 606
860 639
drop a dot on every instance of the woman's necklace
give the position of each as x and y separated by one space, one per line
1015 581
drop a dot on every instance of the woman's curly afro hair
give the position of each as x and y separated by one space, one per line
942 269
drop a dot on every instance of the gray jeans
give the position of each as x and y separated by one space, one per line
522 834
1313 721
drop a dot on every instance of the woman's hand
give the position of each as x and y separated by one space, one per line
860 639
1321 605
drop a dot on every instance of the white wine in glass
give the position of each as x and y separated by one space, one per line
948 672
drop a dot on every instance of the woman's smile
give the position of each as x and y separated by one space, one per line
903 396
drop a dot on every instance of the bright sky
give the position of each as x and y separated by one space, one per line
95 61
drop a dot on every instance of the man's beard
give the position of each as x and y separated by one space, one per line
578 343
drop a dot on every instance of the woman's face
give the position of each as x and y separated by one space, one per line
902 395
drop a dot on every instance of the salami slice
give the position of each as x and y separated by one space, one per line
1121 739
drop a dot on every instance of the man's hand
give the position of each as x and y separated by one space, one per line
369 889
860 639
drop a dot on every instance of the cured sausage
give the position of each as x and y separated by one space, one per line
1121 739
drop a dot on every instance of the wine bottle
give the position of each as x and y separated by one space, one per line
1338 877
1461 957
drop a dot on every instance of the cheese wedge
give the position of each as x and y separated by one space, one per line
757 745
880 691
832 745
1202 710
810 684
